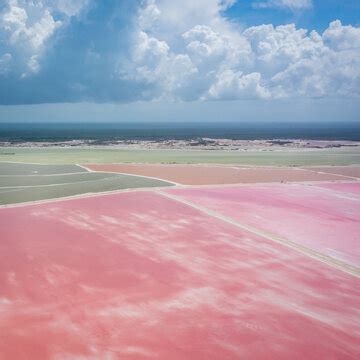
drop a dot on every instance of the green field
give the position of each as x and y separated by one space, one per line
37 169
19 184
295 157
50 180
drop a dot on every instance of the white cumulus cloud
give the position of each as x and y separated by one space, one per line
28 25
230 85
328 65
341 37
190 50
199 54
156 64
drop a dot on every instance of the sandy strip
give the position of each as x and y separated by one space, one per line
131 174
84 167
351 171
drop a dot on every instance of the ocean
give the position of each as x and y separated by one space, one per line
41 132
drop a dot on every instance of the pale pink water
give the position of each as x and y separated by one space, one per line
325 221
351 187
139 276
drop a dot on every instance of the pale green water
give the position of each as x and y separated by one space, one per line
19 184
101 155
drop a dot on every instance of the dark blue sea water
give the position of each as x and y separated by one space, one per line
158 131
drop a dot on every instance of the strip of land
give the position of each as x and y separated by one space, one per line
346 171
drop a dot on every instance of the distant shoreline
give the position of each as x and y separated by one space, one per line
192 144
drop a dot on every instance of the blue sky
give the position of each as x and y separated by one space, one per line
317 17
223 60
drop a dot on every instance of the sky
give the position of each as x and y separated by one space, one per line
168 60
